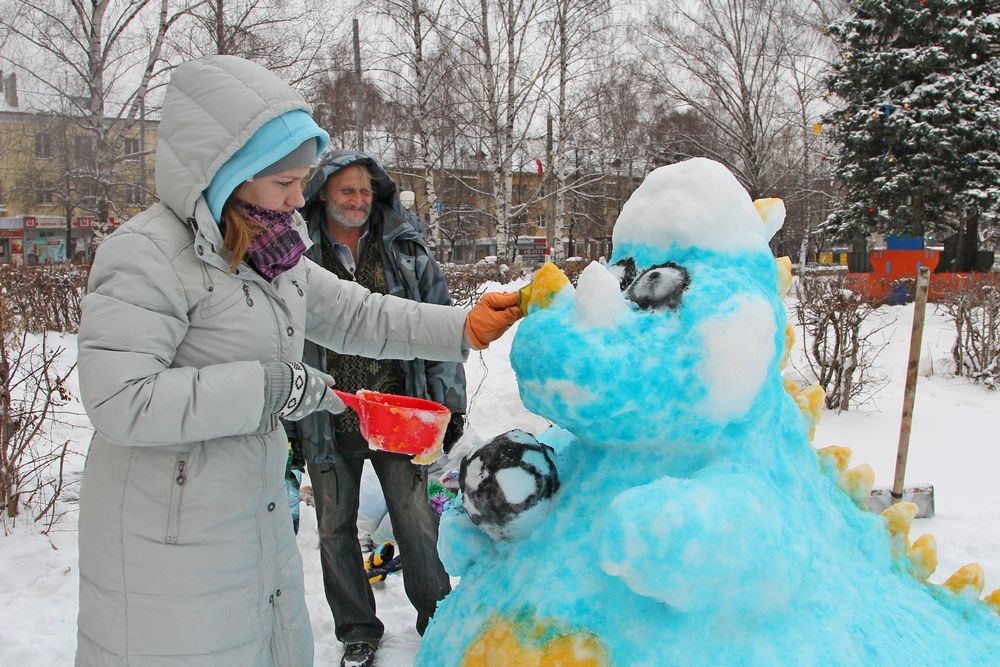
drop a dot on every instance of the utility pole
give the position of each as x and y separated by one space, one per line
550 203
359 95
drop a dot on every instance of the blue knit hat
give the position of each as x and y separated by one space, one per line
274 140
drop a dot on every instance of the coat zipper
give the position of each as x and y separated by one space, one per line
176 496
279 642
246 294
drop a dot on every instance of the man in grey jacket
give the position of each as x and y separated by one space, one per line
361 233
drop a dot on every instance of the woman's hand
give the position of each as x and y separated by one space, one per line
296 390
492 315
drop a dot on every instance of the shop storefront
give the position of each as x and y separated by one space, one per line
44 239
11 240
40 240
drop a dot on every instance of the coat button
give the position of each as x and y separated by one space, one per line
290 331
270 507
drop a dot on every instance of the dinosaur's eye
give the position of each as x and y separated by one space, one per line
659 286
624 271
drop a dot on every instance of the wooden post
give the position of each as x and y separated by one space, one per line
916 334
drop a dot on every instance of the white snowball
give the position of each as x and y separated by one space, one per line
599 302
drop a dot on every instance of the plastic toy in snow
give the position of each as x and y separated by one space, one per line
382 562
690 520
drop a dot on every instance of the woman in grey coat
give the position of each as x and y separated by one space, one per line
189 351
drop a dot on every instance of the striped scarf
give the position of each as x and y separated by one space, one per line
278 246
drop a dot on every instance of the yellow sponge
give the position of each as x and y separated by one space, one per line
548 281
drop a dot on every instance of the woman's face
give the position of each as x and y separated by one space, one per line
277 192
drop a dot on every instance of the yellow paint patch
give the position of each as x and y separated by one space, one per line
810 402
993 599
835 455
898 519
791 387
784 275
858 482
502 644
968 581
923 556
789 342
772 212
548 281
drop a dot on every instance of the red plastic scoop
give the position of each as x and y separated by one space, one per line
400 424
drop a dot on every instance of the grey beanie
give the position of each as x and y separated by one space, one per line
303 156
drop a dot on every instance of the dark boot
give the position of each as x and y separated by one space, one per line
359 654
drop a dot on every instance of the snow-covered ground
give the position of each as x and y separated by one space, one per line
955 445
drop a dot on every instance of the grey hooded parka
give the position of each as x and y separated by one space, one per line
187 555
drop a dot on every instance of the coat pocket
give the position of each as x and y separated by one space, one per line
406 266
180 476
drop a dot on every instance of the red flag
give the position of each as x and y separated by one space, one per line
541 170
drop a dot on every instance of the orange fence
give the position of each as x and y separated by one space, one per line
877 288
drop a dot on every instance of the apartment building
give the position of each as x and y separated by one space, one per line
52 171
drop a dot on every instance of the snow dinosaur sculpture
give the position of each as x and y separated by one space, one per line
692 522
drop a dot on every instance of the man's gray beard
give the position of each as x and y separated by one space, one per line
337 214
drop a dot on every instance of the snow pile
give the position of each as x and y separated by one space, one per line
694 522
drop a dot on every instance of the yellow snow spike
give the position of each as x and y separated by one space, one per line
993 599
898 519
810 402
968 581
923 556
548 281
784 275
836 455
789 342
791 387
772 213
858 482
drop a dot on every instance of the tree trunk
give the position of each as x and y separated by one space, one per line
968 244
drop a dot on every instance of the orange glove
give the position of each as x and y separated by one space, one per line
491 317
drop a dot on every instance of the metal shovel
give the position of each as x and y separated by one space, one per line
922 496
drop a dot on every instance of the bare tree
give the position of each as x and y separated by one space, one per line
506 61
290 39
95 61
576 26
32 389
842 338
974 309
723 59
417 62
807 188
334 92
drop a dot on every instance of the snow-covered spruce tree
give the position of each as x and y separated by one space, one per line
917 119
